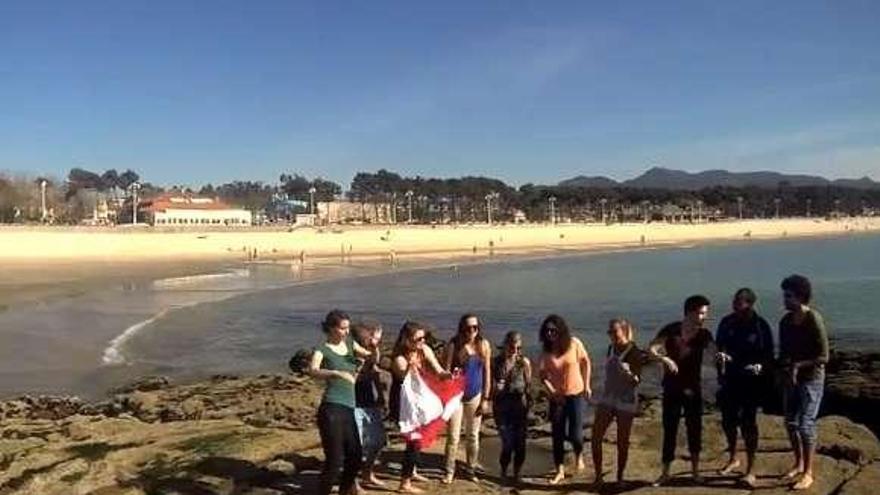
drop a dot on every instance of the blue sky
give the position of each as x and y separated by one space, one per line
189 92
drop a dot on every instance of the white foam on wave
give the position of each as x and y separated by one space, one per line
113 355
198 279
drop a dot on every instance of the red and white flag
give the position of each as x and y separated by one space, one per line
426 404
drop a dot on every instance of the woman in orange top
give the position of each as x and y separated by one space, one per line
565 373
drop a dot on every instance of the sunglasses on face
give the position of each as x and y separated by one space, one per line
419 340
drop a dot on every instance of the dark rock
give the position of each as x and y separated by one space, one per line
299 363
866 481
852 387
147 384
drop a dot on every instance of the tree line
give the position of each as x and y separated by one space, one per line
442 200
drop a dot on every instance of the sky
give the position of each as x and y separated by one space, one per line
192 92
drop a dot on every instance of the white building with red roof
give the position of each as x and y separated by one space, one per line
181 210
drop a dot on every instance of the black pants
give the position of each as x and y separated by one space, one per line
511 417
738 400
342 447
410 459
674 404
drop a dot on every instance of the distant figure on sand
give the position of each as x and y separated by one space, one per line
565 374
803 352
745 346
512 372
680 346
470 354
619 398
336 362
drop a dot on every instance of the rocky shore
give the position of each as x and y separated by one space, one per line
256 436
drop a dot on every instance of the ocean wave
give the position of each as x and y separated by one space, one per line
173 282
113 355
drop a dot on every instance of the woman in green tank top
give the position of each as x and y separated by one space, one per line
336 363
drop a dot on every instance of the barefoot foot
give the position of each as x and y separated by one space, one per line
805 482
729 468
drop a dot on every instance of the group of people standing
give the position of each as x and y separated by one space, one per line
350 417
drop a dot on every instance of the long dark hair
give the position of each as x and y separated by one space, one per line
408 329
458 342
333 319
563 335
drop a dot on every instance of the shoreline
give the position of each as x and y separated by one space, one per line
41 263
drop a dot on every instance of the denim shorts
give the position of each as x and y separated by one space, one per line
801 404
371 430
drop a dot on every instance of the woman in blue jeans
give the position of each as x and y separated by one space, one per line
803 353
565 374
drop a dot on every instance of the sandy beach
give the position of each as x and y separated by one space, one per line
36 245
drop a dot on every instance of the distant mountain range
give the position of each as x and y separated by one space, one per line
664 178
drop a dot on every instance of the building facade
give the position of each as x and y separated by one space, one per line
178 210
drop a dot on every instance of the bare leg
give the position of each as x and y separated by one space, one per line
797 450
806 480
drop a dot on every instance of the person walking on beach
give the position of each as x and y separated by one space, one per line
745 346
411 355
336 362
680 346
470 354
370 402
565 374
512 371
619 398
803 353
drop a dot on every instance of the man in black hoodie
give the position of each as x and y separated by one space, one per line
745 344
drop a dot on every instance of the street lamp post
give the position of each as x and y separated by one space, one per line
134 202
647 205
552 200
837 208
777 201
312 192
809 204
699 211
603 201
489 208
409 196
43 213
739 202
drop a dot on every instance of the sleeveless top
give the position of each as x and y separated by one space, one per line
619 392
510 381
337 390
473 372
